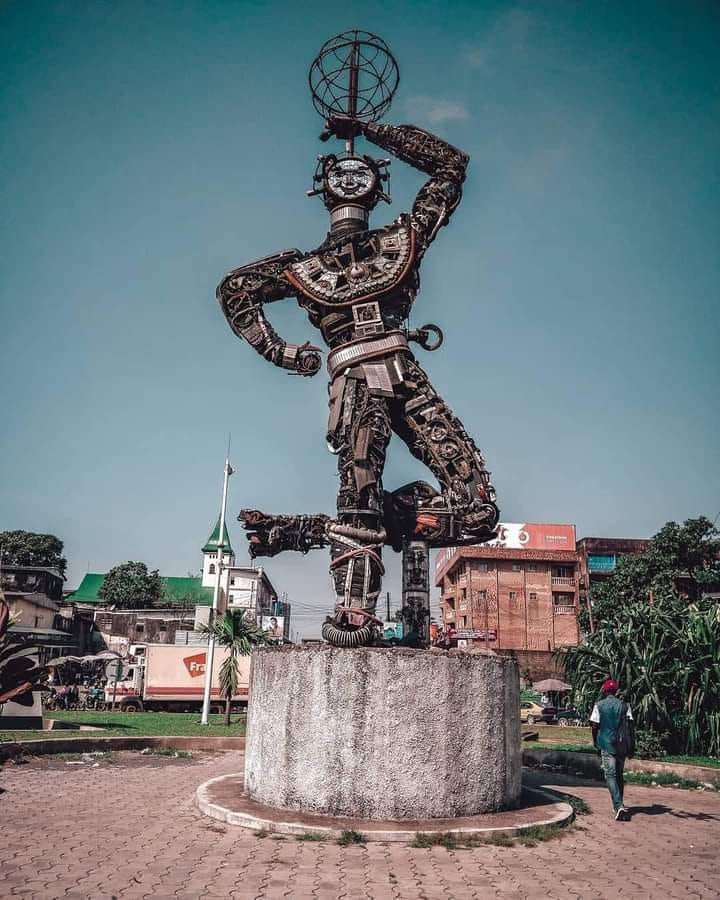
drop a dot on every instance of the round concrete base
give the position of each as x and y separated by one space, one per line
224 799
383 733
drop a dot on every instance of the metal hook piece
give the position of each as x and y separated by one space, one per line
422 336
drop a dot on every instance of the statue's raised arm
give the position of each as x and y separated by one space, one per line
446 165
242 295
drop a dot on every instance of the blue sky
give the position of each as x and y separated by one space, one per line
147 148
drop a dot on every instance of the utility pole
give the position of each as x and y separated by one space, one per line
210 655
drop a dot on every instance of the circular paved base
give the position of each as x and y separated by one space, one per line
224 798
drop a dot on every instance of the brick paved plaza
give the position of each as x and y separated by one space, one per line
131 831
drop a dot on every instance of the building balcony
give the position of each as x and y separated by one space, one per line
564 610
559 581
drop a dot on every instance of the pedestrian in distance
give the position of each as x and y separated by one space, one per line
612 733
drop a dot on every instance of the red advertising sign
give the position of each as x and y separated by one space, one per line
521 536
534 536
195 664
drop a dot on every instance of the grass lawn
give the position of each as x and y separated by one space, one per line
712 762
571 748
579 740
132 725
551 735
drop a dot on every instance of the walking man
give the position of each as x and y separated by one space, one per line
605 722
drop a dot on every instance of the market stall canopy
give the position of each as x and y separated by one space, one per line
550 684
103 655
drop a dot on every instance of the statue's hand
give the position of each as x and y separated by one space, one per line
308 360
342 127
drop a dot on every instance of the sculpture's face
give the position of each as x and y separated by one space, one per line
351 179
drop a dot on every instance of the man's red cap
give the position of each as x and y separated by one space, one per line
609 685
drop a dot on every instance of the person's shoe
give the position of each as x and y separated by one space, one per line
620 815
626 813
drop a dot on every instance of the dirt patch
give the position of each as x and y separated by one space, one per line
117 759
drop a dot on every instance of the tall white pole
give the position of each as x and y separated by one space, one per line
216 594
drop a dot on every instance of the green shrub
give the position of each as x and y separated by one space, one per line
348 838
651 744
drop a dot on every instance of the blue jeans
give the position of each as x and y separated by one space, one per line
613 767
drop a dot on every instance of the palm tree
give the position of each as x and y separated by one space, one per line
238 635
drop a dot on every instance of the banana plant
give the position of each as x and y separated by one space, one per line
20 674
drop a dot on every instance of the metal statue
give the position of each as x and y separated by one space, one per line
358 288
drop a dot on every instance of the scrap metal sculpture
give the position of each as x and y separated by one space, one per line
358 288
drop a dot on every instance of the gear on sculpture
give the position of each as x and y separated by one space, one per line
358 288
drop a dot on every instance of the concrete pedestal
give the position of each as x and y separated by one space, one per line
380 733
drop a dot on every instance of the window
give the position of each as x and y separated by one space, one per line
533 567
463 596
482 567
482 596
211 570
140 626
232 580
564 599
513 595
562 572
533 596
516 567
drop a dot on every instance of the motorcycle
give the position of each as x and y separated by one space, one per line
95 698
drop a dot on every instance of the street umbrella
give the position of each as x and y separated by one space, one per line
550 684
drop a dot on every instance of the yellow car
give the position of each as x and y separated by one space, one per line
532 712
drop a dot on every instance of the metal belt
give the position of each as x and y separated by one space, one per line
360 351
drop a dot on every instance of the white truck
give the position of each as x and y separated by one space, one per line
171 678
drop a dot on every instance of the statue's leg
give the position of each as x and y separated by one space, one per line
357 534
465 510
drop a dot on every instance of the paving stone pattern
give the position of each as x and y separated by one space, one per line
88 834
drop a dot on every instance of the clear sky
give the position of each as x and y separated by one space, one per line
148 147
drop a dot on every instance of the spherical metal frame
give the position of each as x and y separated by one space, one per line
330 76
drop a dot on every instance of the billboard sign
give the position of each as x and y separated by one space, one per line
477 634
275 625
520 536
534 536
392 631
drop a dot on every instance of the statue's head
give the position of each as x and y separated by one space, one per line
351 186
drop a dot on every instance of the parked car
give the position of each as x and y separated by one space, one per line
532 712
570 716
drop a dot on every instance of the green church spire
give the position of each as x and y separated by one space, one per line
211 545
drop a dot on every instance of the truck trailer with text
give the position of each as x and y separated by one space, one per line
172 678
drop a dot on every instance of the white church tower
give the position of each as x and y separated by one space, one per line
210 556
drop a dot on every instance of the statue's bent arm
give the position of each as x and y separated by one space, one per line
242 295
438 198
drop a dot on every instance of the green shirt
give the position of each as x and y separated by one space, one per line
606 715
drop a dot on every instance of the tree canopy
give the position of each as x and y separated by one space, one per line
658 635
25 548
131 586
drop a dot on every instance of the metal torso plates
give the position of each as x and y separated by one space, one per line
364 266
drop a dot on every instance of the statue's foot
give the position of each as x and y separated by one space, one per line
402 516
480 522
417 511
351 627
269 534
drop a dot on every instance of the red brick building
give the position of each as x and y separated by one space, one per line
517 593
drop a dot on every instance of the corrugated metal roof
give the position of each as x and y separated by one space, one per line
177 588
